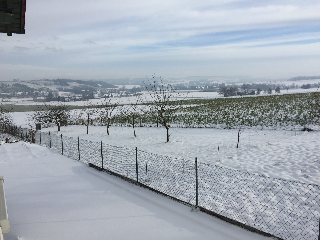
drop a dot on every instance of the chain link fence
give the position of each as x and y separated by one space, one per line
18 132
285 209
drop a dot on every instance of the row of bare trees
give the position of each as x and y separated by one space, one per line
162 105
159 95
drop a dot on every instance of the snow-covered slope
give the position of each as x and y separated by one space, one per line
52 197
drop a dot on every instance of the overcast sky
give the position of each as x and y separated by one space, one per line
100 39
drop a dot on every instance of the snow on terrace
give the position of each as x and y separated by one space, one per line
291 155
52 197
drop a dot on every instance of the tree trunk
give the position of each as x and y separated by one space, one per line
58 127
88 124
134 131
108 124
167 134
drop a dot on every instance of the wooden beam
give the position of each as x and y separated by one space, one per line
6 18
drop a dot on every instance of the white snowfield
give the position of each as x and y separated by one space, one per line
290 155
50 196
145 97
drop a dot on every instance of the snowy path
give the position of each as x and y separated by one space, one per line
52 197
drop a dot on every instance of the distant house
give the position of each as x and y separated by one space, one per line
250 92
39 99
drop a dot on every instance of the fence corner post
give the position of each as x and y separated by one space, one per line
137 165
61 145
319 230
101 156
79 148
196 169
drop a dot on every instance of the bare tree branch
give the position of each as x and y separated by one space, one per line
162 96
53 114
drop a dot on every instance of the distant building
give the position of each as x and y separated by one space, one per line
39 99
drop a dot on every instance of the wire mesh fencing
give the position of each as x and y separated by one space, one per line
173 177
71 147
24 134
119 160
285 209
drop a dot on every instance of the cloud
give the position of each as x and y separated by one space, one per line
151 34
54 49
165 16
14 67
54 38
20 49
88 41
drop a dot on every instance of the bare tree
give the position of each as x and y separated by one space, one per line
269 91
90 111
106 111
133 111
245 88
259 90
51 114
228 91
162 102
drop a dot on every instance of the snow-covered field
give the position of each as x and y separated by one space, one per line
291 155
146 97
288 209
52 197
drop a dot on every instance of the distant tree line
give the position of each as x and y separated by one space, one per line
250 89
304 78
308 85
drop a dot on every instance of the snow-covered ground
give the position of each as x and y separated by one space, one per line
290 155
50 196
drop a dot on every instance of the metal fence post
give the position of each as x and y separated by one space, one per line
79 148
101 156
319 230
137 164
196 168
61 145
